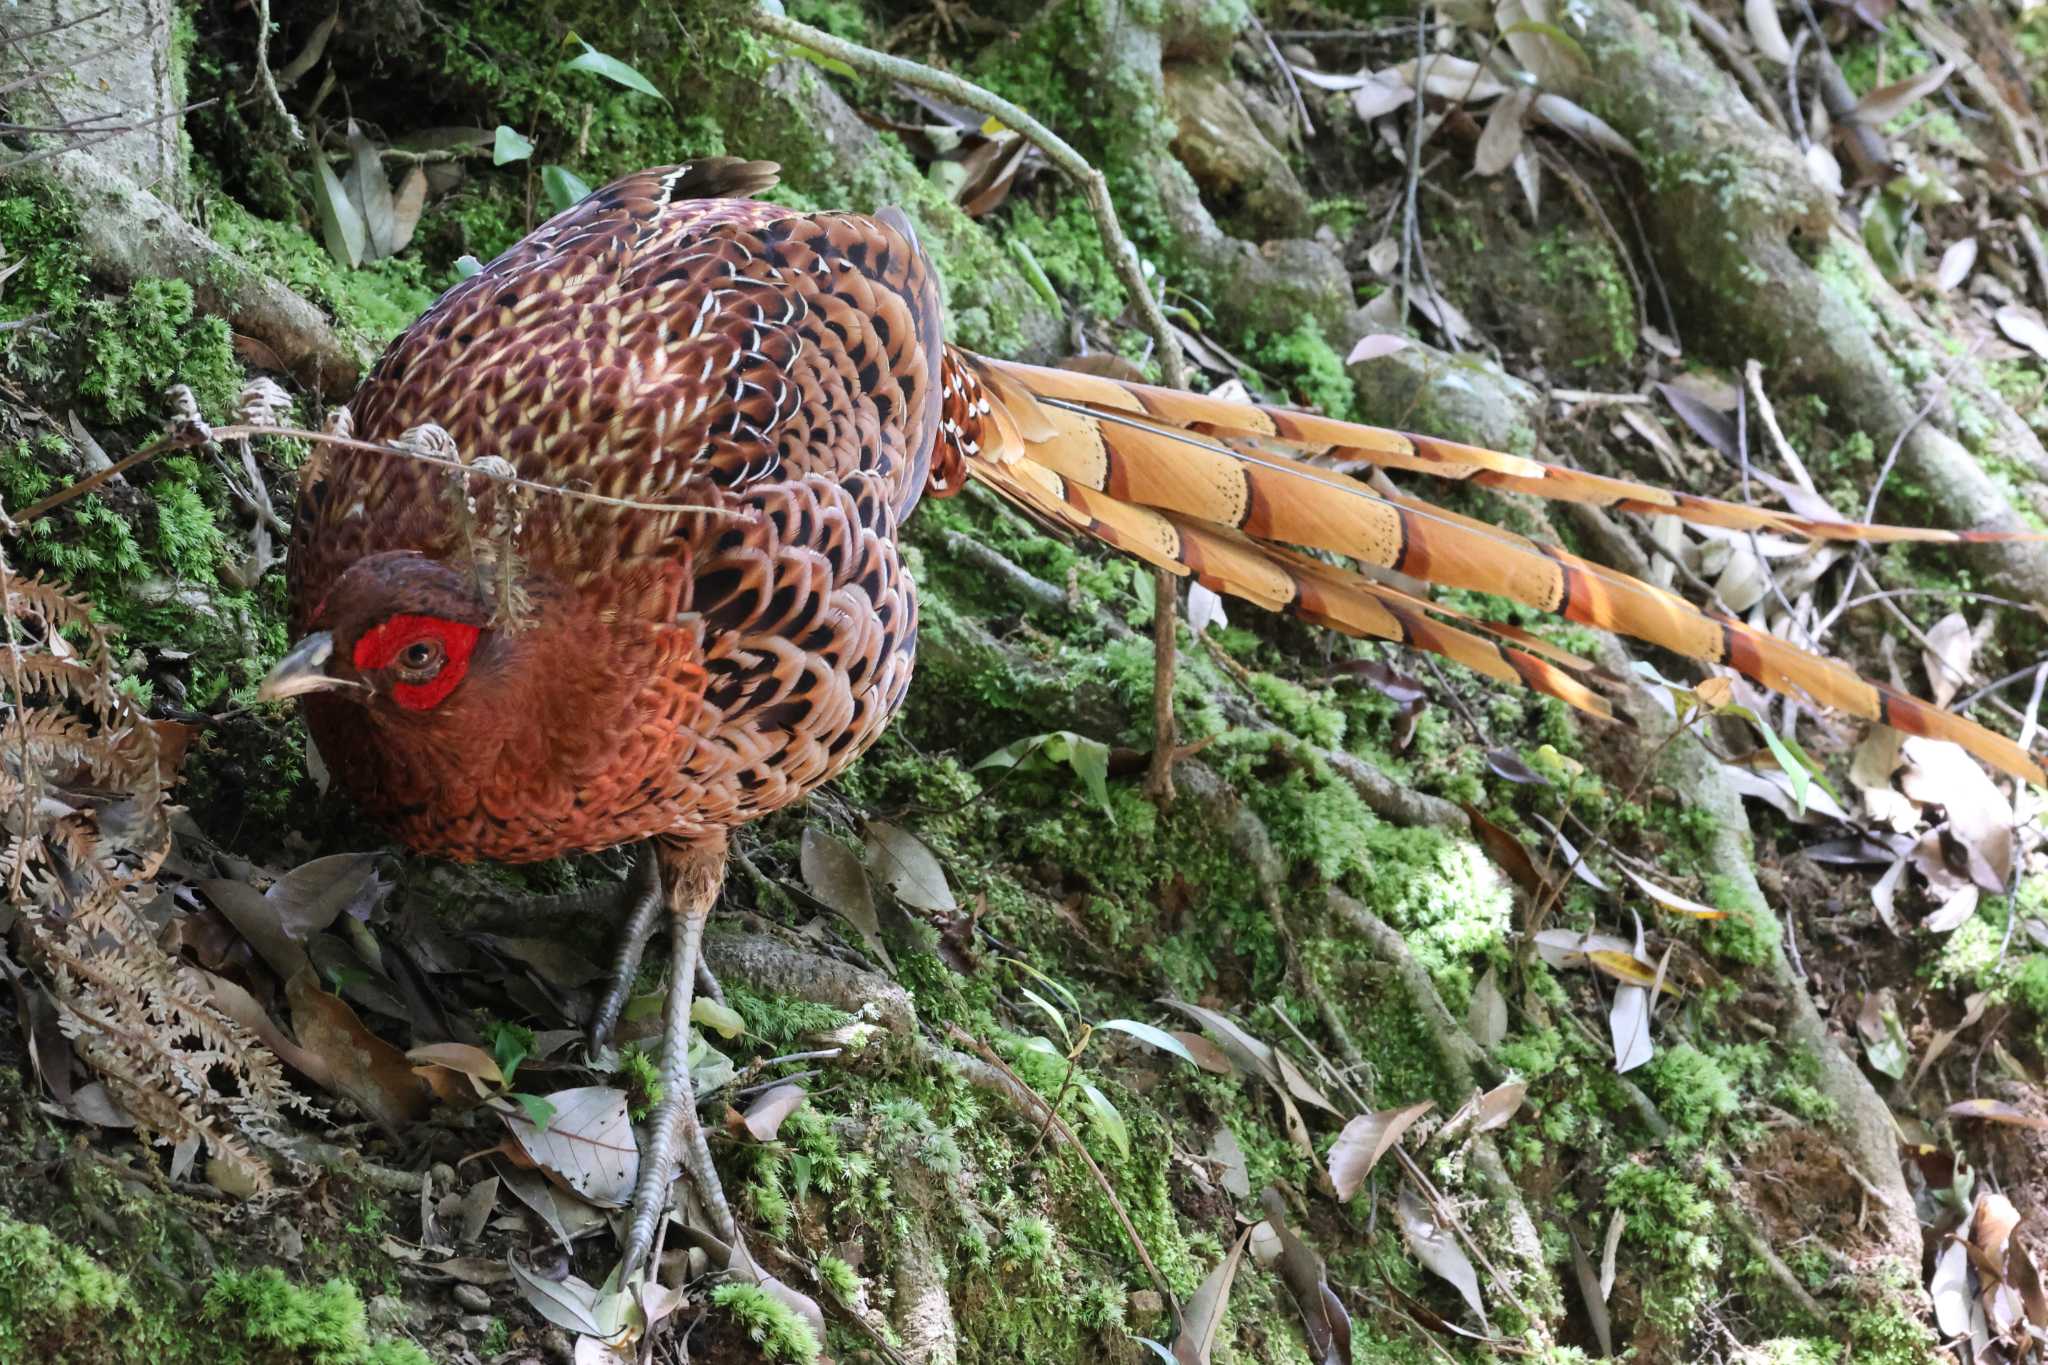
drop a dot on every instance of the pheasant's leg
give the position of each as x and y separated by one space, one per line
644 886
691 876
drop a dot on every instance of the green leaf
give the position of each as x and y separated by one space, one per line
721 1019
819 59
612 69
508 146
341 227
1103 1115
1565 42
1089 758
1034 273
1058 1020
511 1044
1157 1037
467 265
538 1111
1797 765
564 188
1055 987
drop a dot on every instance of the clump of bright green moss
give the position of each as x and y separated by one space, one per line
772 1324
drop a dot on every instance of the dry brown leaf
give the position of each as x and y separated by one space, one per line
1207 1055
587 1143
1486 1018
1365 1140
361 1065
1374 345
1500 141
835 876
1980 818
1582 123
1995 1111
1946 656
2023 327
1887 102
1451 78
1202 1319
764 1116
1956 264
1438 1251
1381 95
907 867
1301 1270
1628 1026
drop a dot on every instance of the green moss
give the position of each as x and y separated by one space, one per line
1691 1088
1885 1332
263 1316
1309 366
1585 270
639 1075
50 1292
839 1279
772 1324
1671 1222
139 344
782 1020
376 301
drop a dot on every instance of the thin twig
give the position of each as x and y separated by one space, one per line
1165 658
1899 442
988 1054
186 440
1988 688
1093 183
1308 127
263 72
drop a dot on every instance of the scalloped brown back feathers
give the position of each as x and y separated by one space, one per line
678 673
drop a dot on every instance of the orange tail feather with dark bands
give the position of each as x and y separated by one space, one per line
1163 475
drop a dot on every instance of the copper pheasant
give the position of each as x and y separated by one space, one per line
744 403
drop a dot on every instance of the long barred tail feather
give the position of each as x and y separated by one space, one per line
1198 485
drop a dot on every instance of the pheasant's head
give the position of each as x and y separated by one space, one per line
404 636
469 736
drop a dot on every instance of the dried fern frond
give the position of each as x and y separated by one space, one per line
84 826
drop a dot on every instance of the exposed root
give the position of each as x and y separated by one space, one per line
110 209
776 968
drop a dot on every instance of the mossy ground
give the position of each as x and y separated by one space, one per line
1120 905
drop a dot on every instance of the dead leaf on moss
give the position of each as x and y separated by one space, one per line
1202 1319
1437 1249
1995 1111
1301 1270
1365 1140
587 1142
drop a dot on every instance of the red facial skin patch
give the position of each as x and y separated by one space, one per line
383 643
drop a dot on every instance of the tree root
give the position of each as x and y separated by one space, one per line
1727 227
778 968
130 235
1462 1061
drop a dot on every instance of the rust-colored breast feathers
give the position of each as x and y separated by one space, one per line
660 344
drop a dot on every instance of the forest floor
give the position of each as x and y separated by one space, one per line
1339 1073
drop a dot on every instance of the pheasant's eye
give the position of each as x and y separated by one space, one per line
419 661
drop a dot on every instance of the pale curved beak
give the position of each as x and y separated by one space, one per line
303 670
